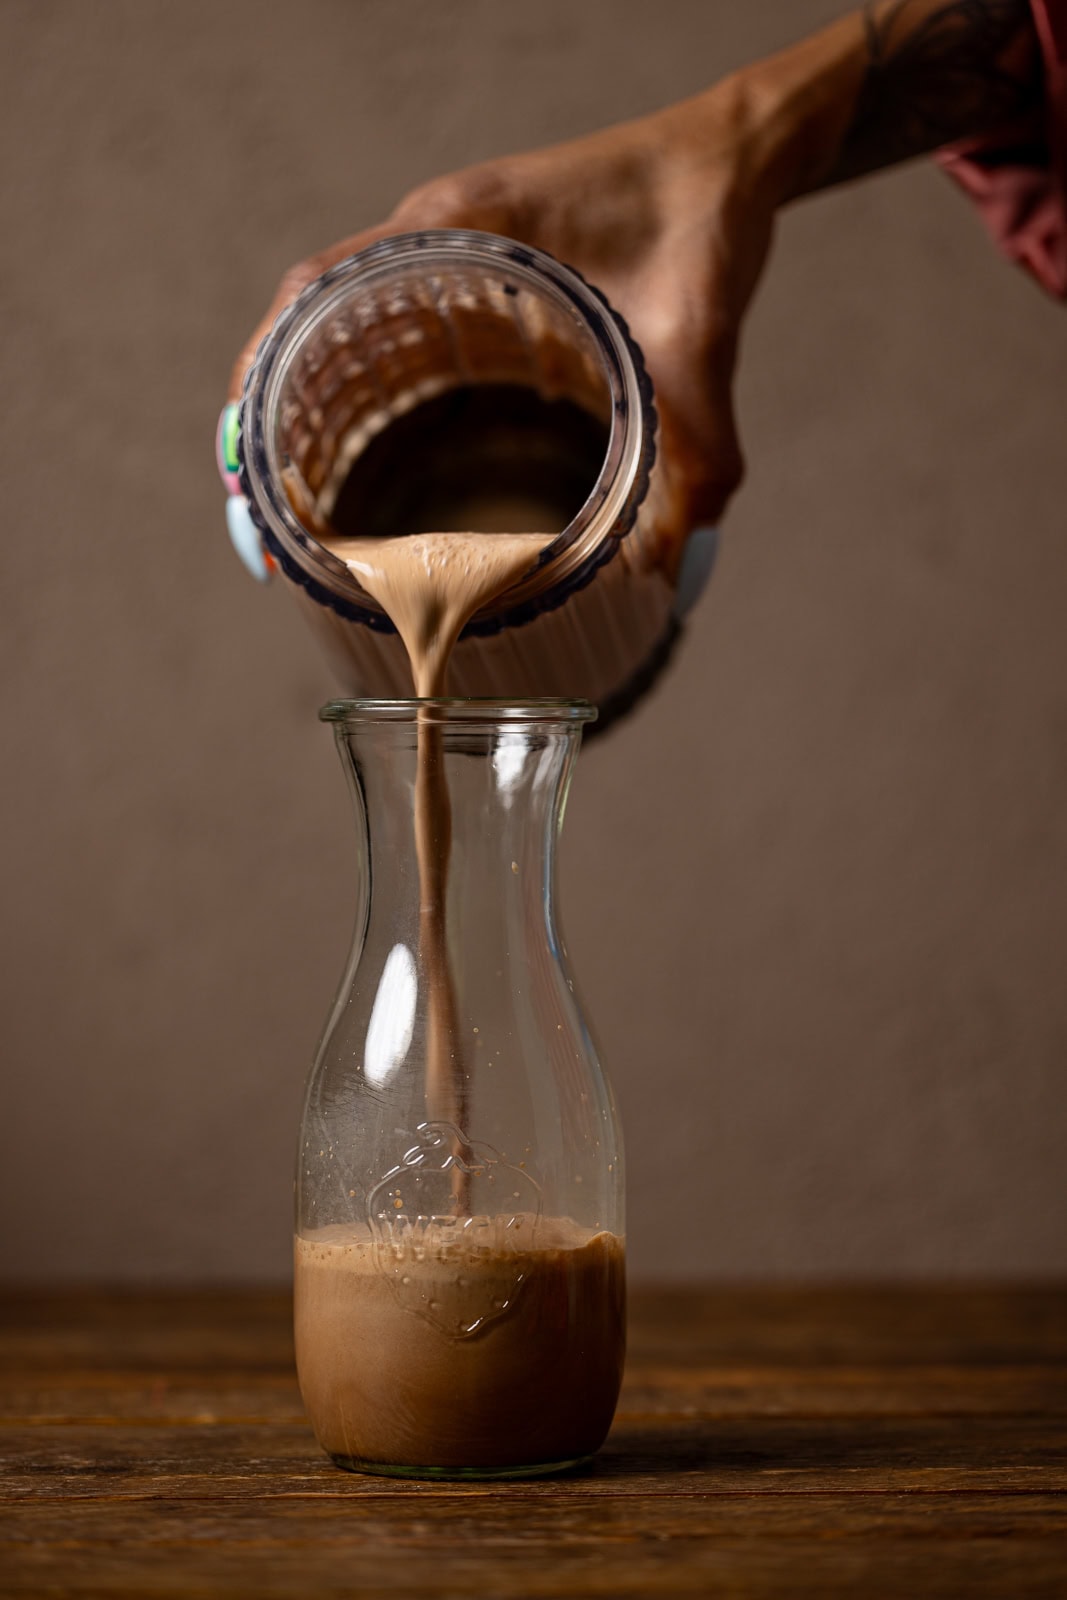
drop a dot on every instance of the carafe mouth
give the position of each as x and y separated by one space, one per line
408 320
522 713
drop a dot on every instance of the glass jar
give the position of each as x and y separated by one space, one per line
459 1255
453 375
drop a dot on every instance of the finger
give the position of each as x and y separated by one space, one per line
293 283
719 466
698 424
478 197
481 197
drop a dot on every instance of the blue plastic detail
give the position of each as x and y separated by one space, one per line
698 558
244 536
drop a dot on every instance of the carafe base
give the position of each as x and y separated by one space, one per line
386 1469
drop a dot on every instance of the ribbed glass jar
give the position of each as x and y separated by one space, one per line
407 330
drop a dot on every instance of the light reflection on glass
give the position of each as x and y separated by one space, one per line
509 758
392 1018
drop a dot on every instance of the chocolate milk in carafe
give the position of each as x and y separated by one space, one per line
456 381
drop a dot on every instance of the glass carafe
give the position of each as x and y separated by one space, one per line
459 1278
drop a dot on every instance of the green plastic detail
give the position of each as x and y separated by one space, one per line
230 430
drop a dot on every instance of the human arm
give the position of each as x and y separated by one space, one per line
672 215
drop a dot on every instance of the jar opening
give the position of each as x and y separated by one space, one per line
435 382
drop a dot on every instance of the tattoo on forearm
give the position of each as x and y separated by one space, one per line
967 67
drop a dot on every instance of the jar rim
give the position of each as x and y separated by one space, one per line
455 710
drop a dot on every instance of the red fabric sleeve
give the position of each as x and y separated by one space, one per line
1022 194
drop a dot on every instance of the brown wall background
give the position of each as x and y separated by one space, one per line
815 892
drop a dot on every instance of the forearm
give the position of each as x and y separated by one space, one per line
883 85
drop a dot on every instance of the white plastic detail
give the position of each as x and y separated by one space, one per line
698 558
244 536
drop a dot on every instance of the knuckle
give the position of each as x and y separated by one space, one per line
431 205
725 473
718 489
295 281
456 200
729 465
718 474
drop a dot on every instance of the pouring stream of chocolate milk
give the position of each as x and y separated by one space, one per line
430 585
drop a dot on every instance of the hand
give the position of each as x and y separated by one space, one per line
672 215
669 217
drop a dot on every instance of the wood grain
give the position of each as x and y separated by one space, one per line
768 1442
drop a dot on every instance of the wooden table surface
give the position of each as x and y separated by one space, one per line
768 1442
